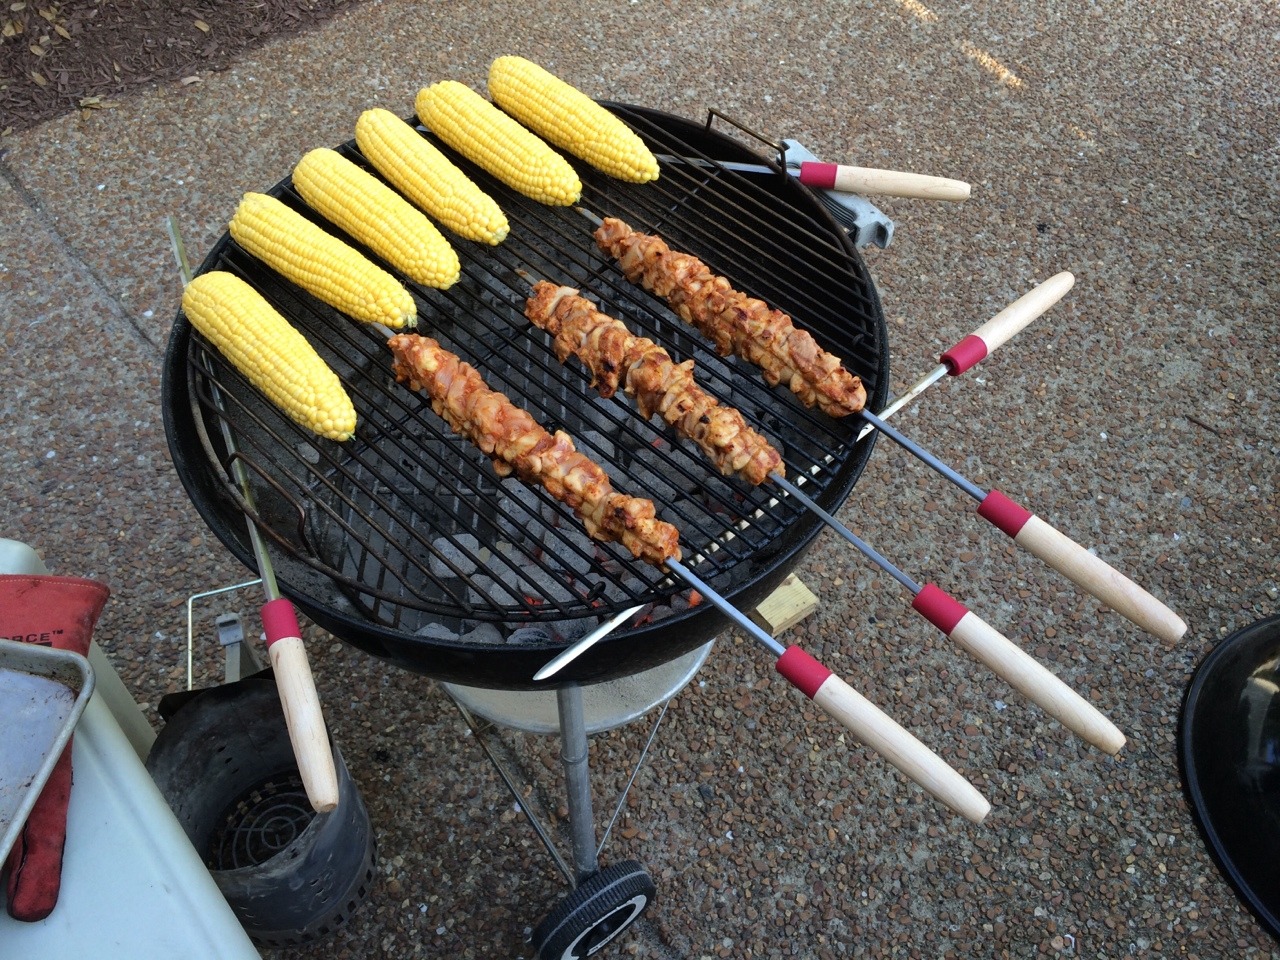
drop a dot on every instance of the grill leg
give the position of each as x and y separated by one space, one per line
573 755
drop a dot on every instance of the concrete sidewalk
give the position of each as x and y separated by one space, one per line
1133 144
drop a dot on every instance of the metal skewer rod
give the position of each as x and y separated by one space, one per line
854 712
988 338
294 681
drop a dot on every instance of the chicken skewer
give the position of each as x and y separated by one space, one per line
749 328
658 384
518 444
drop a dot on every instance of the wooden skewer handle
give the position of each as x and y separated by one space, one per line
1018 668
1092 574
883 183
301 704
882 734
1004 325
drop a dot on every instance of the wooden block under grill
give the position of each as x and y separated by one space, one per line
786 606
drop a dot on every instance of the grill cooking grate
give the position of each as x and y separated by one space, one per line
410 522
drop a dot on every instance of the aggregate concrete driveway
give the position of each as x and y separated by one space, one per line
1131 143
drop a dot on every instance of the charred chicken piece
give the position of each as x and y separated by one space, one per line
736 323
657 383
518 444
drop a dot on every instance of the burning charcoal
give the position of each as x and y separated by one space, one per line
654 613
482 633
600 414
632 585
531 637
548 584
715 375
451 550
436 631
680 603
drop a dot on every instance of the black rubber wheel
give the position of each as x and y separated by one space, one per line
595 913
225 765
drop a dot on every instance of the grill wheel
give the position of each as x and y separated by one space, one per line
596 913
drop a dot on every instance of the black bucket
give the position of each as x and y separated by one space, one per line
1229 750
225 765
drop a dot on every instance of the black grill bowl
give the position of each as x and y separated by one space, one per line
351 526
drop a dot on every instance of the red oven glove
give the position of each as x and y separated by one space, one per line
57 612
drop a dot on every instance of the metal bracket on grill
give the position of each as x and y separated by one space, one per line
865 223
861 219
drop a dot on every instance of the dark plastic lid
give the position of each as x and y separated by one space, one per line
1229 749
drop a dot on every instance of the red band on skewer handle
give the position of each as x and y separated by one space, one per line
966 354
822 176
878 731
279 621
884 183
802 671
939 608
998 509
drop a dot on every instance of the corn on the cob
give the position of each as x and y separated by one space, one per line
275 357
427 177
567 118
321 264
489 138
377 216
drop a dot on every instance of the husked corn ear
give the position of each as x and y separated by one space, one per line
275 357
377 216
429 178
567 118
321 264
489 138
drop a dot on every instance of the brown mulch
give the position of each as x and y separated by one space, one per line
56 58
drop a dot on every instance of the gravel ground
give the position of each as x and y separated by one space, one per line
1126 142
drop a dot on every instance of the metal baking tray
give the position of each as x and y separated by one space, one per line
42 694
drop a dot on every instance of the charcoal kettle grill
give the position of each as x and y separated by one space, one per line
404 543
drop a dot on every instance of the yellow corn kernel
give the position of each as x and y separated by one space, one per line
567 118
414 166
377 216
276 358
489 138
321 264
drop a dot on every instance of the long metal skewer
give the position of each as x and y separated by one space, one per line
294 681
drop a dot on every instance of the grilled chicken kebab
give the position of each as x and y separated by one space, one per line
519 444
735 322
658 384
